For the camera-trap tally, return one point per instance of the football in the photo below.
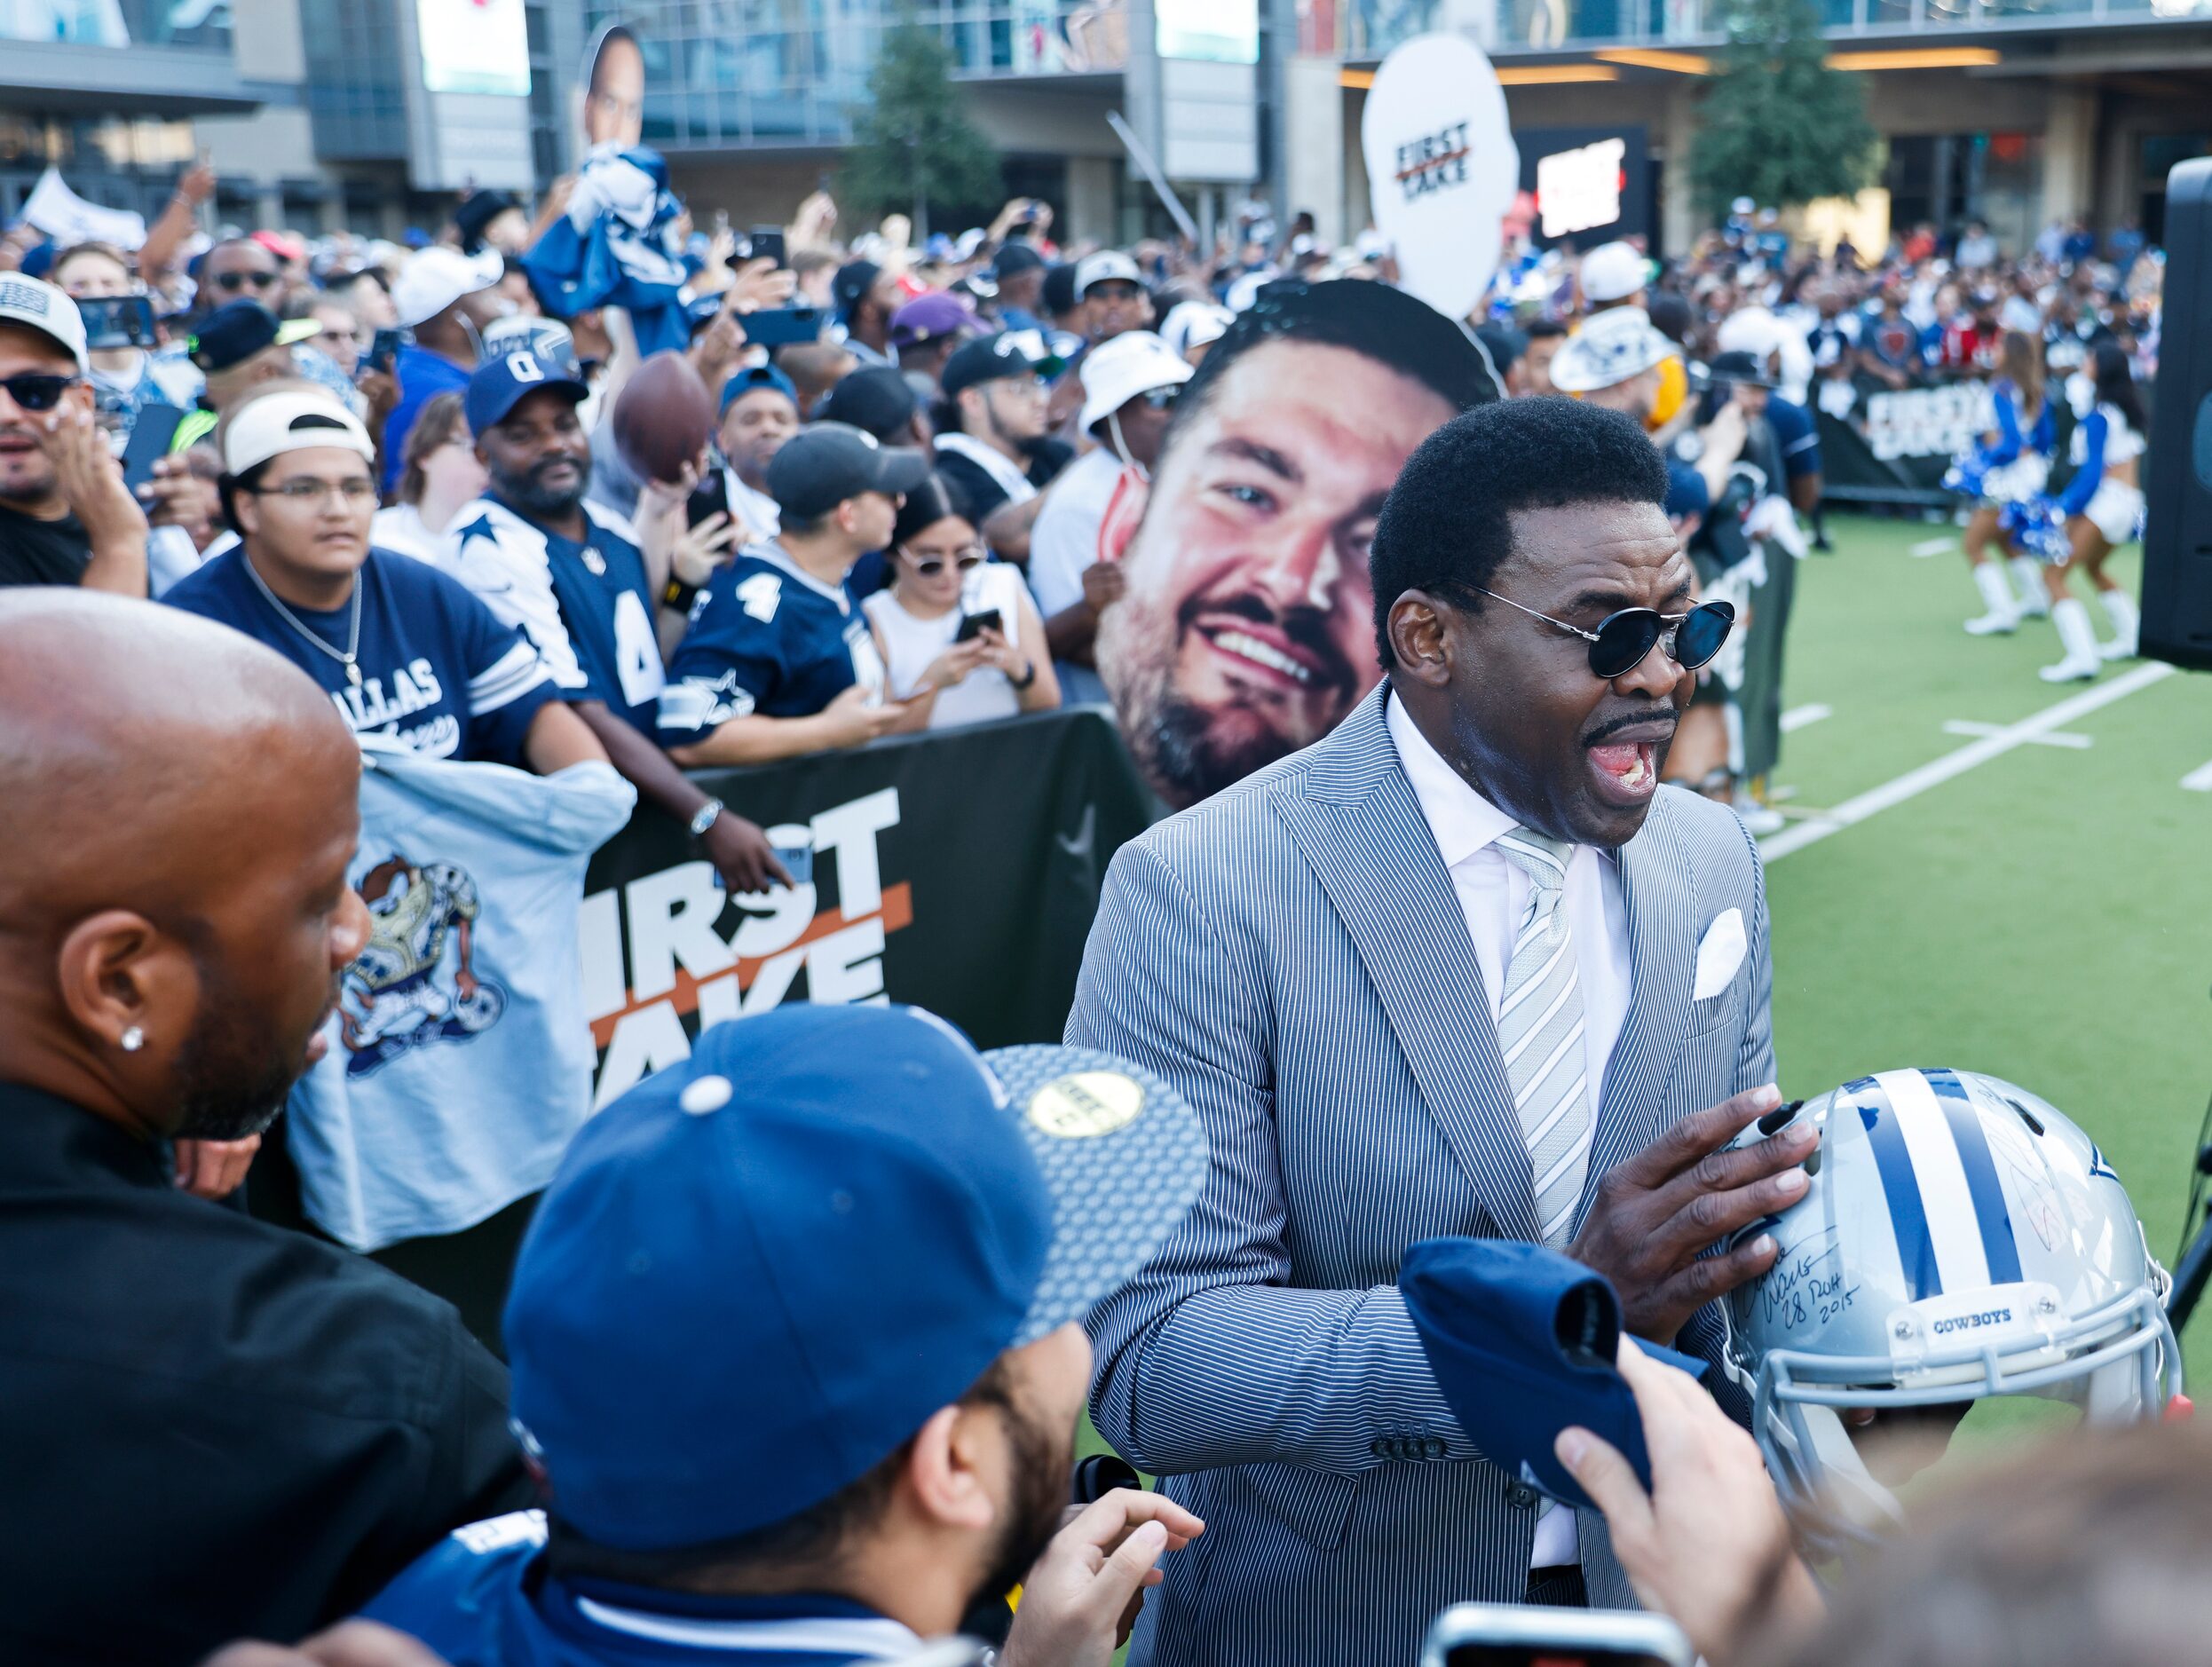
(663, 417)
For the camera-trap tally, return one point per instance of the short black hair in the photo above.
(1387, 324)
(1059, 291)
(929, 503)
(1446, 526)
(1544, 330)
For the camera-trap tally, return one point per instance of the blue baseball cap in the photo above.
(512, 373)
(757, 1274)
(755, 377)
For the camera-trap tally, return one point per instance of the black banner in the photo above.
(1895, 446)
(957, 870)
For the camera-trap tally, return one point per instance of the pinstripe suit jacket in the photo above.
(1291, 955)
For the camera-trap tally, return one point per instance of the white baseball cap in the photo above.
(279, 423)
(1190, 324)
(1133, 363)
(1103, 267)
(435, 278)
(35, 305)
(1613, 272)
(1608, 350)
(1752, 330)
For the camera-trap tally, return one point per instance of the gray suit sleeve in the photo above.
(1755, 1060)
(1207, 1357)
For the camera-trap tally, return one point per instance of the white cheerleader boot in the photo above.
(2078, 638)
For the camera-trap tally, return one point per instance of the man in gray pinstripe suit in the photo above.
(1461, 966)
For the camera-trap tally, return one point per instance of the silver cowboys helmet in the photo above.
(1959, 1239)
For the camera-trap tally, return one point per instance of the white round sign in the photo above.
(1441, 167)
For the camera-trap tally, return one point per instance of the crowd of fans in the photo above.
(393, 468)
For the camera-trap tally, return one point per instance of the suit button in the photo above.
(1433, 1448)
(1379, 1448)
(1520, 1497)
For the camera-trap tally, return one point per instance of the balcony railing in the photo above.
(123, 23)
(1549, 25)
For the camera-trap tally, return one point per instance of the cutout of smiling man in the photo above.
(1246, 630)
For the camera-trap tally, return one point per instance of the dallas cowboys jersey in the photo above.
(586, 607)
(766, 639)
(439, 673)
(482, 1598)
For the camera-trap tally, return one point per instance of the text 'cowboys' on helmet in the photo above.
(1959, 1239)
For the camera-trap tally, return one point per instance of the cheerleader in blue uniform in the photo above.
(2102, 509)
(2009, 468)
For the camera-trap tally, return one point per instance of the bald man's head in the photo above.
(179, 806)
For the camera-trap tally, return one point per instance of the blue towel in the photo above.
(616, 247)
(1522, 1341)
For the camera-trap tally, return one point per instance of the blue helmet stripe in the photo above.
(1900, 1185)
(1990, 1213)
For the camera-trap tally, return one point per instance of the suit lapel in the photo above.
(1659, 892)
(1361, 829)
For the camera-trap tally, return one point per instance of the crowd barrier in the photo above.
(1895, 446)
(958, 870)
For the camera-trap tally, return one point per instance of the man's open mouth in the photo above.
(1626, 761)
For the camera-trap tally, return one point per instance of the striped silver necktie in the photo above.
(1540, 1034)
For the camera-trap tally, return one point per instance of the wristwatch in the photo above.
(678, 595)
(704, 817)
(1027, 678)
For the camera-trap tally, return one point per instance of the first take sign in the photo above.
(1441, 167)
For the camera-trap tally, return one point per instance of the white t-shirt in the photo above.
(401, 528)
(1064, 541)
(910, 644)
(756, 509)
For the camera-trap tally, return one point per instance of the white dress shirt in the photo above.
(1493, 894)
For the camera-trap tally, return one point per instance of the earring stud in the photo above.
(133, 1040)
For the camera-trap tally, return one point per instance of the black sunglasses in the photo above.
(931, 567)
(36, 391)
(240, 280)
(1621, 640)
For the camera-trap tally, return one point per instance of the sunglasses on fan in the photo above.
(1621, 640)
(36, 391)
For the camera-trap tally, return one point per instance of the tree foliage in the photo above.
(1777, 124)
(912, 145)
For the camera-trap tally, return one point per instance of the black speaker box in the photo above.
(2177, 485)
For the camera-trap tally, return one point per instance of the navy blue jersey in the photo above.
(765, 639)
(588, 607)
(1798, 436)
(483, 1598)
(440, 674)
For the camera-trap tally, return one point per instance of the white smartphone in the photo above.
(1516, 1635)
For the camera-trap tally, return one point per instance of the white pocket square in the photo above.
(1719, 955)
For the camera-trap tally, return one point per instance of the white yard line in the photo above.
(1798, 717)
(2057, 738)
(2200, 780)
(1975, 753)
(1928, 547)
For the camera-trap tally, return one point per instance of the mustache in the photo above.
(1307, 628)
(1627, 721)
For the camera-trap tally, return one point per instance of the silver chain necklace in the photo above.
(353, 632)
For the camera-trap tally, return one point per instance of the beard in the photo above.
(231, 1082)
(541, 502)
(1185, 752)
(1042, 1466)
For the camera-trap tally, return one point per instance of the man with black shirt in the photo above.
(66, 516)
(992, 441)
(248, 1428)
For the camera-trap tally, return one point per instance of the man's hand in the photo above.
(1657, 1212)
(176, 497)
(1081, 1596)
(1103, 583)
(349, 1644)
(762, 283)
(214, 1169)
(86, 471)
(698, 551)
(811, 227)
(741, 854)
(849, 720)
(1709, 1545)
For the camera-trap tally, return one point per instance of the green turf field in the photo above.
(2045, 916)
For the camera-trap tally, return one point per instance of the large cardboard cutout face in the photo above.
(614, 87)
(1246, 627)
